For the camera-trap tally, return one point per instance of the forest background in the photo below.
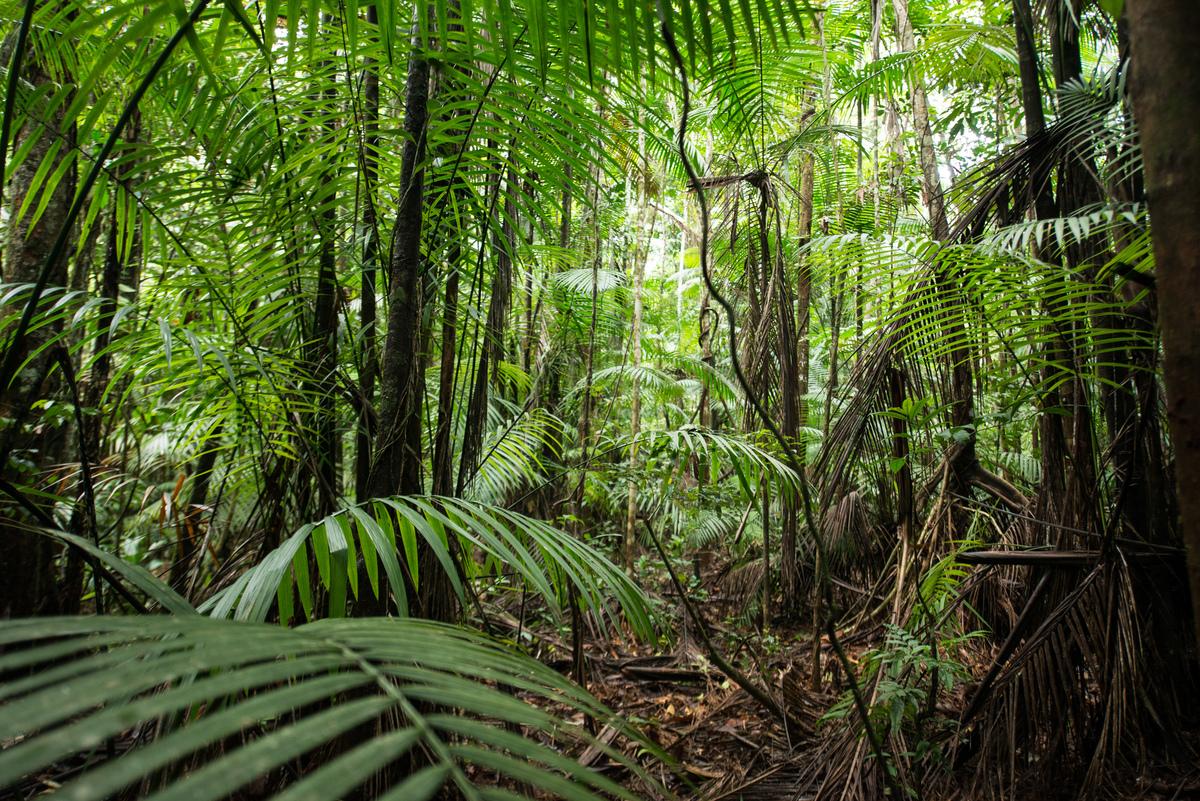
(394, 333)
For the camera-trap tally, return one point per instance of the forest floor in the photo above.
(716, 742)
(723, 745)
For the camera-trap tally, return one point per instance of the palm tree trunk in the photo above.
(324, 334)
(122, 256)
(789, 574)
(190, 537)
(396, 469)
(491, 349)
(804, 284)
(447, 84)
(551, 378)
(443, 448)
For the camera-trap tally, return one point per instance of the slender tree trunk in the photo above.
(1053, 452)
(804, 284)
(962, 392)
(191, 538)
(1165, 37)
(643, 237)
(836, 302)
(122, 255)
(370, 271)
(443, 448)
(932, 186)
(491, 349)
(448, 88)
(904, 487)
(765, 612)
(323, 355)
(550, 377)
(789, 574)
(707, 314)
(635, 361)
(585, 409)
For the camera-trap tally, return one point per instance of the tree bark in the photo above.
(1164, 39)
(398, 451)
(397, 464)
(191, 537)
(448, 86)
(635, 361)
(370, 273)
(322, 348)
(26, 558)
(789, 574)
(122, 260)
(491, 349)
(443, 446)
(932, 186)
(804, 283)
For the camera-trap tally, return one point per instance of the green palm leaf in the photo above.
(285, 693)
(547, 559)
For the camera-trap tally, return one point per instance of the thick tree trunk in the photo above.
(323, 348)
(26, 558)
(1165, 38)
(448, 87)
(397, 465)
(1027, 59)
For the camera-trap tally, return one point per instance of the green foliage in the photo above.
(429, 693)
(907, 672)
(547, 559)
(915, 664)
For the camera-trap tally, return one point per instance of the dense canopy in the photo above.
(384, 383)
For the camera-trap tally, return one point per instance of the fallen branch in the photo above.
(593, 751)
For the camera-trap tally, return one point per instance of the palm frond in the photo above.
(431, 692)
(546, 558)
